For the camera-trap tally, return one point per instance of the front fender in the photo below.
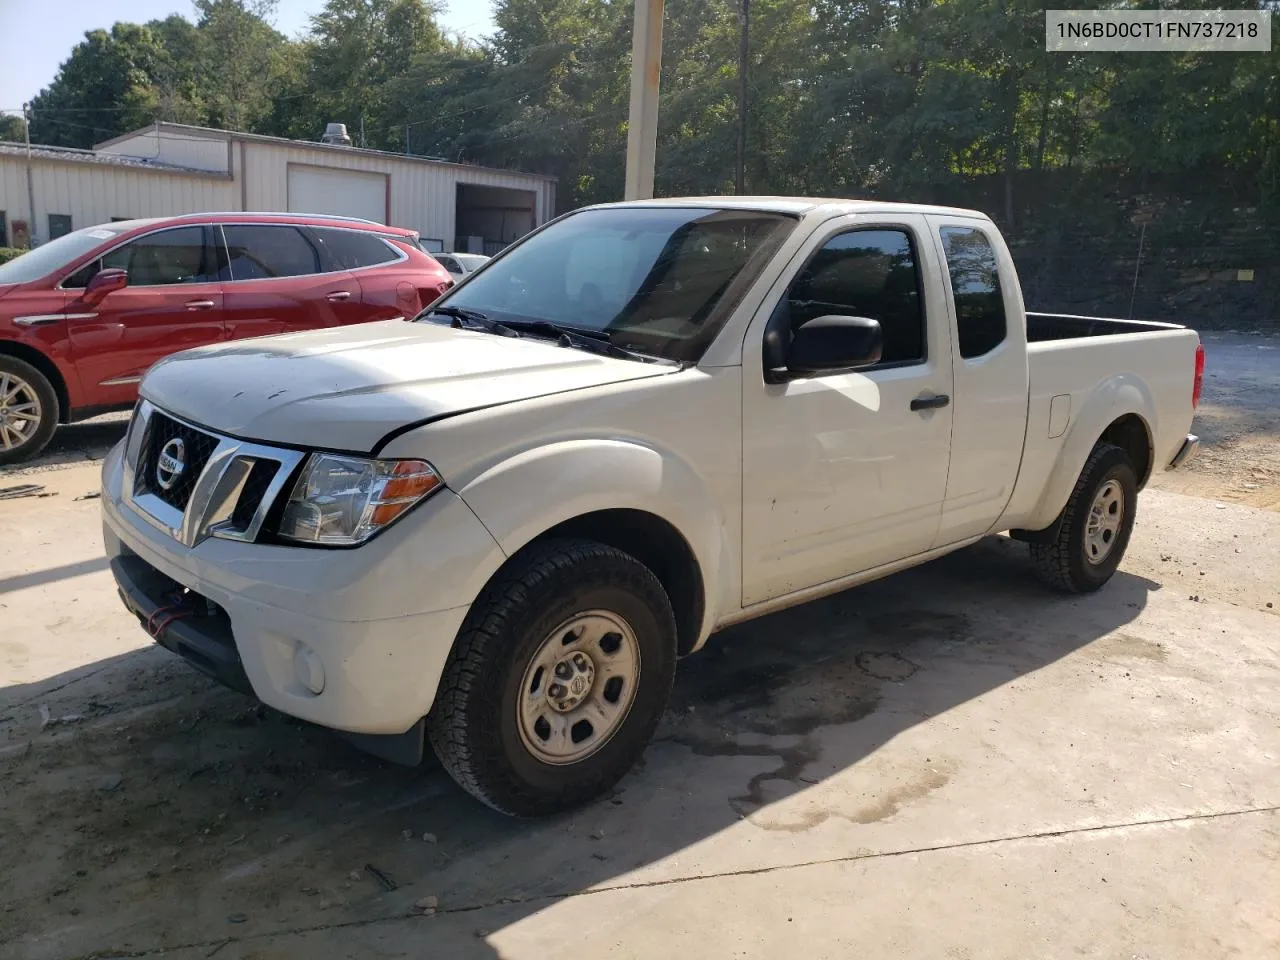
(533, 491)
(1116, 397)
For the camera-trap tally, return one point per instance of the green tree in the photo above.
(11, 128)
(103, 88)
(239, 57)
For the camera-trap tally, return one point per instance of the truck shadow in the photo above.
(172, 814)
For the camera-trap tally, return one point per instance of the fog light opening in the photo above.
(308, 669)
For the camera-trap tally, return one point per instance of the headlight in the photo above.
(343, 501)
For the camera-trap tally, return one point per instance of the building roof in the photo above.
(72, 155)
(212, 133)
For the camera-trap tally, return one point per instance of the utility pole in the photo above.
(646, 74)
(406, 138)
(31, 187)
(362, 131)
(740, 174)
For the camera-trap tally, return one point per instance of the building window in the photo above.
(59, 225)
(4, 230)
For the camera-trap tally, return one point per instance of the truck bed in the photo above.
(1067, 326)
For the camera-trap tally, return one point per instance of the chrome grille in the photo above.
(225, 486)
(198, 447)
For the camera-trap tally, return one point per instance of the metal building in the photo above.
(172, 168)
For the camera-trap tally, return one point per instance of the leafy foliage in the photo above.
(846, 97)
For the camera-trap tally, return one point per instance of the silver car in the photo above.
(460, 265)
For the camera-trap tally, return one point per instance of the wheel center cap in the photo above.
(571, 682)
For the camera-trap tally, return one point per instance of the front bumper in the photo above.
(1186, 453)
(355, 640)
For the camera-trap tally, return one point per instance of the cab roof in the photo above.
(800, 206)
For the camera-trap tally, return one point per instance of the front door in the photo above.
(840, 473)
(172, 302)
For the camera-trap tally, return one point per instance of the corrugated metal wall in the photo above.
(423, 196)
(172, 147)
(93, 193)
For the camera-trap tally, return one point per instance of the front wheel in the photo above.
(1093, 531)
(557, 680)
(28, 410)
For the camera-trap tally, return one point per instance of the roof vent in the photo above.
(336, 133)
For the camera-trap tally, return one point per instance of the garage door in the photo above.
(345, 193)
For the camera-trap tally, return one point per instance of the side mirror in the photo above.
(104, 282)
(831, 344)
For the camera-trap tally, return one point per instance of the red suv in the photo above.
(83, 317)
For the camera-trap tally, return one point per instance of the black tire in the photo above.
(473, 724)
(36, 439)
(1063, 562)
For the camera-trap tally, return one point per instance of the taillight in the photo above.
(1198, 385)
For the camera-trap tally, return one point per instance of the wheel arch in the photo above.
(1121, 411)
(42, 362)
(632, 497)
(653, 541)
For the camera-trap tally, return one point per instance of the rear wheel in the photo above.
(557, 680)
(1093, 531)
(28, 410)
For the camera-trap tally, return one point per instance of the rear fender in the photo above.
(528, 494)
(1112, 399)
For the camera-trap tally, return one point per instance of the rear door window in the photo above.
(353, 249)
(257, 252)
(975, 288)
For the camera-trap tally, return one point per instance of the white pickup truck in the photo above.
(496, 527)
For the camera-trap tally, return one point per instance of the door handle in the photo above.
(935, 402)
(340, 295)
(199, 304)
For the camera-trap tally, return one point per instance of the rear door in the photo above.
(989, 418)
(171, 303)
(276, 279)
(375, 265)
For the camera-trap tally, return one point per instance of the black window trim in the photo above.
(80, 265)
(321, 257)
(913, 236)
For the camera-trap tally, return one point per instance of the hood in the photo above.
(348, 387)
(8, 288)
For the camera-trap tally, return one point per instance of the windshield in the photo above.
(55, 254)
(659, 280)
(472, 261)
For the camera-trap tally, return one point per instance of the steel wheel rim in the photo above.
(20, 411)
(578, 688)
(1106, 514)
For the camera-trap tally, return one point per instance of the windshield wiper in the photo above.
(594, 341)
(462, 318)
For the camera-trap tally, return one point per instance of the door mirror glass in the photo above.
(832, 344)
(104, 282)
